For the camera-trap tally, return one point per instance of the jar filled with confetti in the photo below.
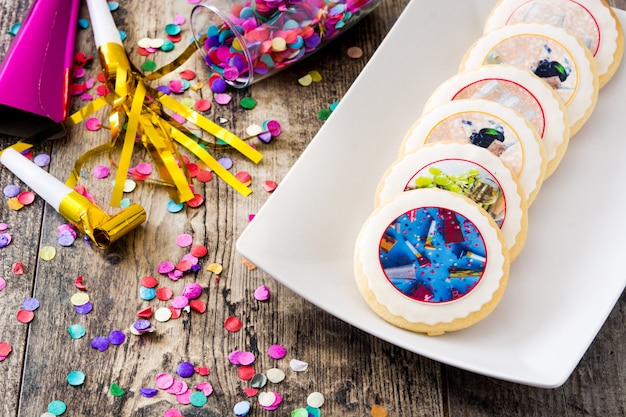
(244, 41)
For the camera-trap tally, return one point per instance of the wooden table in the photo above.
(351, 368)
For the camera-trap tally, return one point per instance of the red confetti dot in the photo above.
(198, 306)
(17, 268)
(269, 186)
(193, 169)
(101, 77)
(149, 281)
(79, 283)
(199, 251)
(187, 75)
(25, 316)
(232, 324)
(26, 197)
(202, 105)
(183, 266)
(196, 201)
(250, 392)
(145, 313)
(246, 372)
(244, 177)
(200, 370)
(175, 38)
(5, 349)
(175, 312)
(164, 293)
(143, 51)
(204, 176)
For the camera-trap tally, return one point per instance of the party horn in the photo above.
(36, 71)
(90, 219)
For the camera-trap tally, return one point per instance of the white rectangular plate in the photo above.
(563, 285)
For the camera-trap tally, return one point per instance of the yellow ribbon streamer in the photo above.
(140, 106)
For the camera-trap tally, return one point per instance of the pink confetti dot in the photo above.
(3, 284)
(180, 301)
(179, 19)
(100, 171)
(262, 293)
(178, 387)
(222, 98)
(185, 397)
(165, 267)
(277, 351)
(205, 387)
(172, 412)
(184, 240)
(144, 168)
(93, 124)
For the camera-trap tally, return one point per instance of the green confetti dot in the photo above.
(149, 65)
(198, 399)
(248, 103)
(75, 378)
(323, 114)
(116, 390)
(76, 331)
(300, 412)
(57, 407)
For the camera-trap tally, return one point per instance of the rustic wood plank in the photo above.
(351, 368)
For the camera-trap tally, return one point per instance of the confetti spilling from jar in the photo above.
(267, 36)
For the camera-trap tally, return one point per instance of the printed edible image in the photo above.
(433, 255)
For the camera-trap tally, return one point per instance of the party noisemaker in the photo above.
(35, 72)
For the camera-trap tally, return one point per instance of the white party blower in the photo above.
(90, 219)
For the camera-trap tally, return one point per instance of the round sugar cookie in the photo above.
(549, 52)
(490, 125)
(468, 170)
(520, 90)
(593, 22)
(431, 261)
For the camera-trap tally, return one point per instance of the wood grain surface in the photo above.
(353, 369)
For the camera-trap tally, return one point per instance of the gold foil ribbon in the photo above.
(141, 108)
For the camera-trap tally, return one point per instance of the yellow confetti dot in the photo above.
(79, 299)
(47, 253)
(215, 268)
(279, 44)
(187, 101)
(14, 204)
(197, 86)
(236, 45)
(305, 81)
(316, 77)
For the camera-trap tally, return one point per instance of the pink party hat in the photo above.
(36, 71)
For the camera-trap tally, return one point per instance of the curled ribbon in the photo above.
(141, 108)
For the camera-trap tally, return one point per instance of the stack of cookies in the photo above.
(451, 213)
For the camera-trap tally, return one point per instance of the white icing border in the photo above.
(608, 25)
(533, 167)
(556, 132)
(367, 248)
(583, 101)
(516, 217)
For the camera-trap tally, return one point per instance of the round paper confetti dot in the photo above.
(100, 343)
(47, 253)
(198, 399)
(76, 378)
(196, 201)
(172, 412)
(164, 293)
(242, 408)
(259, 380)
(5, 349)
(305, 81)
(100, 171)
(79, 298)
(116, 390)
(30, 304)
(163, 314)
(315, 399)
(25, 316)
(246, 372)
(222, 98)
(42, 160)
(378, 411)
(262, 293)
(26, 198)
(184, 240)
(93, 124)
(185, 369)
(298, 365)
(149, 65)
(129, 186)
(276, 351)
(76, 331)
(174, 207)
(164, 381)
(275, 375)
(148, 392)
(300, 412)
(202, 105)
(232, 324)
(313, 412)
(266, 399)
(57, 407)
(84, 309)
(355, 52)
(117, 337)
(149, 281)
(11, 191)
(269, 186)
(215, 268)
(248, 103)
(180, 302)
(3, 283)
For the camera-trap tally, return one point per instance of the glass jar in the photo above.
(244, 41)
